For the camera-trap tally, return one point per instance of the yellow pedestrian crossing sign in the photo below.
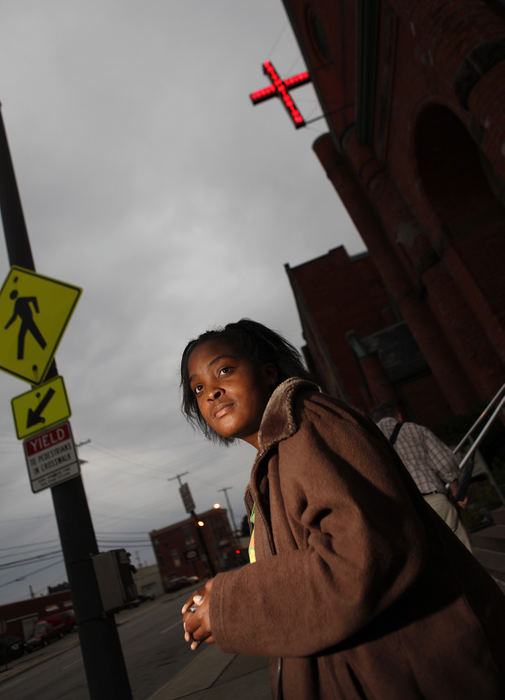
(40, 408)
(34, 312)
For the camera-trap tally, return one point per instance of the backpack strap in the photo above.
(394, 434)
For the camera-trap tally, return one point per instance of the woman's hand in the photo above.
(196, 617)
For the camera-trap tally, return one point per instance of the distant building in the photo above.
(20, 617)
(148, 581)
(358, 346)
(64, 586)
(413, 94)
(179, 551)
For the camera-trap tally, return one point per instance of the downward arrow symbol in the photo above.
(35, 417)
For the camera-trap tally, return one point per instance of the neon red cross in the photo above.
(280, 89)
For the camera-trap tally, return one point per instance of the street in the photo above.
(152, 643)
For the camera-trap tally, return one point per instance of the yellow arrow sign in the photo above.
(40, 408)
(34, 312)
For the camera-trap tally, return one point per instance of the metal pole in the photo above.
(100, 647)
(178, 477)
(226, 489)
(474, 447)
(495, 398)
(203, 543)
(194, 516)
(16, 234)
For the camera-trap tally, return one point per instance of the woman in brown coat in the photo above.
(358, 589)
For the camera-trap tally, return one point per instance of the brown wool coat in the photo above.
(359, 586)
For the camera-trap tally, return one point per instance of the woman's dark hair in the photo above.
(256, 342)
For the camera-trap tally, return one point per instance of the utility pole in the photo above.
(100, 646)
(178, 477)
(225, 490)
(189, 505)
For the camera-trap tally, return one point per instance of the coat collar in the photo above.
(279, 420)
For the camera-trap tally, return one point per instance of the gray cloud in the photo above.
(148, 178)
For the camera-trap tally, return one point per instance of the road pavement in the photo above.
(159, 662)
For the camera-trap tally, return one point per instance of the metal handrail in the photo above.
(484, 430)
(469, 455)
(480, 418)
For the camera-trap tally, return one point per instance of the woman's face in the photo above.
(230, 390)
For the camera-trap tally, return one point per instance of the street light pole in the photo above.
(178, 477)
(194, 516)
(226, 489)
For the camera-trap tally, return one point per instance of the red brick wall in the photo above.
(14, 613)
(218, 539)
(336, 294)
(339, 295)
(427, 192)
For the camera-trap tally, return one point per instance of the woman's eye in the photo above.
(225, 370)
(197, 389)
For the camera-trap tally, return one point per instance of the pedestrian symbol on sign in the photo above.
(22, 309)
(34, 312)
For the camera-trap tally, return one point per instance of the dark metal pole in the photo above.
(16, 235)
(226, 489)
(203, 544)
(100, 646)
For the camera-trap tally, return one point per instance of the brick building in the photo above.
(147, 579)
(179, 550)
(414, 98)
(358, 346)
(20, 617)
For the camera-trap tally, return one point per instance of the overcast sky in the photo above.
(148, 179)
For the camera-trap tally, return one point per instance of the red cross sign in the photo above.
(280, 88)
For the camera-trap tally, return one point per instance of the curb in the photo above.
(200, 674)
(32, 663)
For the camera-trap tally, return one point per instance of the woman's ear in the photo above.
(270, 374)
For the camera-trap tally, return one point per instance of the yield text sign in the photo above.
(51, 457)
(40, 408)
(34, 312)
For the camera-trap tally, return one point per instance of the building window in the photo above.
(318, 36)
(189, 537)
(175, 557)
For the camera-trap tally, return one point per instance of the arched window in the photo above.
(467, 198)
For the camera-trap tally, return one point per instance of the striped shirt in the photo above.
(429, 461)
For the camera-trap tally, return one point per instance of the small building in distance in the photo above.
(148, 581)
(179, 551)
(20, 617)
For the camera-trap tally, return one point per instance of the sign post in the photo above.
(104, 664)
(187, 498)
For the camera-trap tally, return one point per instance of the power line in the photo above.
(124, 543)
(29, 517)
(23, 562)
(156, 469)
(120, 533)
(123, 546)
(36, 571)
(107, 540)
(32, 544)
